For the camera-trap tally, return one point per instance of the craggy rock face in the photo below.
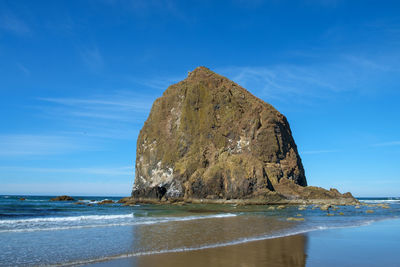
(209, 138)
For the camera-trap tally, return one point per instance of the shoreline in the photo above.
(148, 233)
(339, 201)
(176, 256)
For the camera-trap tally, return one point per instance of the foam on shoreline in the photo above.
(34, 224)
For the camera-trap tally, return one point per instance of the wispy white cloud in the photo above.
(118, 101)
(146, 8)
(312, 152)
(24, 69)
(343, 73)
(280, 81)
(115, 115)
(110, 188)
(366, 146)
(367, 63)
(324, 3)
(11, 23)
(159, 83)
(393, 143)
(31, 145)
(92, 58)
(117, 106)
(103, 171)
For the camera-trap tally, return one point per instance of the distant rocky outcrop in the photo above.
(209, 139)
(106, 201)
(63, 198)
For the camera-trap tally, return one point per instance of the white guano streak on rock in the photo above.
(174, 190)
(241, 144)
(160, 176)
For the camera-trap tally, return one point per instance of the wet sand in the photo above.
(373, 245)
(286, 251)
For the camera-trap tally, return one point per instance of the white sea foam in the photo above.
(68, 219)
(372, 201)
(91, 221)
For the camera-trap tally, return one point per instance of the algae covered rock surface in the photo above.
(208, 138)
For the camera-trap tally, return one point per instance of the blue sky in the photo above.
(77, 80)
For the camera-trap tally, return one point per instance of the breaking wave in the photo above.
(89, 221)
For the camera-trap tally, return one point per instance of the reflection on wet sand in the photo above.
(195, 234)
(286, 251)
(204, 232)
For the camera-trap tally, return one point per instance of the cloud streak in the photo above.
(112, 171)
(31, 145)
(387, 144)
(159, 83)
(115, 115)
(24, 69)
(117, 106)
(11, 23)
(318, 80)
(92, 58)
(313, 152)
(147, 8)
(110, 188)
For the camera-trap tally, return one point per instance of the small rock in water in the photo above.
(384, 206)
(299, 215)
(124, 200)
(357, 207)
(22, 199)
(295, 219)
(369, 211)
(325, 207)
(271, 208)
(280, 207)
(105, 201)
(341, 213)
(302, 208)
(62, 198)
(330, 214)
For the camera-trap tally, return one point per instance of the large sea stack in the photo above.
(207, 139)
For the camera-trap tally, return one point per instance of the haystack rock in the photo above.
(208, 139)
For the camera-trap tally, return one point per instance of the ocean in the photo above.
(36, 231)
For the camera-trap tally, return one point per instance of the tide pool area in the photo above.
(36, 231)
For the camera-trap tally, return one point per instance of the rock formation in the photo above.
(209, 139)
(106, 201)
(62, 198)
